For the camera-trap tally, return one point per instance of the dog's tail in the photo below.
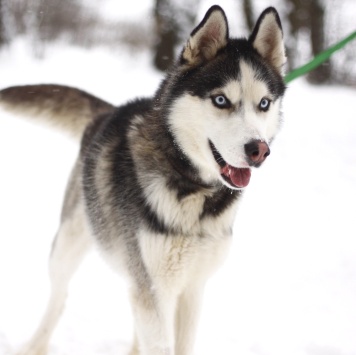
(68, 108)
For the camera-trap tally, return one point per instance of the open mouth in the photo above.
(235, 177)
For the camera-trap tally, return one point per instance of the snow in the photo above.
(289, 284)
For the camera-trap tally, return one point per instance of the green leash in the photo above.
(319, 59)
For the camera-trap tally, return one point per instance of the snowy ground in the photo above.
(289, 285)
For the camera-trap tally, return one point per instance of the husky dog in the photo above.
(158, 180)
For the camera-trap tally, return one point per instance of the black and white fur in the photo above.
(157, 181)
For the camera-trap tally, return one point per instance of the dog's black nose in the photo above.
(256, 151)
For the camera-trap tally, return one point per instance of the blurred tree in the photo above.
(53, 19)
(308, 16)
(167, 34)
(249, 14)
(174, 19)
(2, 28)
(43, 21)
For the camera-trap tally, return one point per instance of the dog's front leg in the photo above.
(187, 317)
(154, 312)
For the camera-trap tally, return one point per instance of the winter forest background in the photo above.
(309, 25)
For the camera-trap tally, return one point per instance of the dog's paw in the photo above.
(33, 349)
(134, 351)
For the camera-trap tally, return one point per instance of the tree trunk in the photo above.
(322, 73)
(309, 14)
(167, 37)
(249, 14)
(2, 28)
(174, 21)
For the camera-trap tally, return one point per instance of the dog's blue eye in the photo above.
(221, 101)
(264, 104)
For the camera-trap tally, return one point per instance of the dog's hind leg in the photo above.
(69, 247)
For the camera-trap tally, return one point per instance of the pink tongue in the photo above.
(240, 177)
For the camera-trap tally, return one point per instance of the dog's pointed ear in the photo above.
(210, 36)
(267, 38)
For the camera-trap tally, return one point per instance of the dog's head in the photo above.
(225, 95)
